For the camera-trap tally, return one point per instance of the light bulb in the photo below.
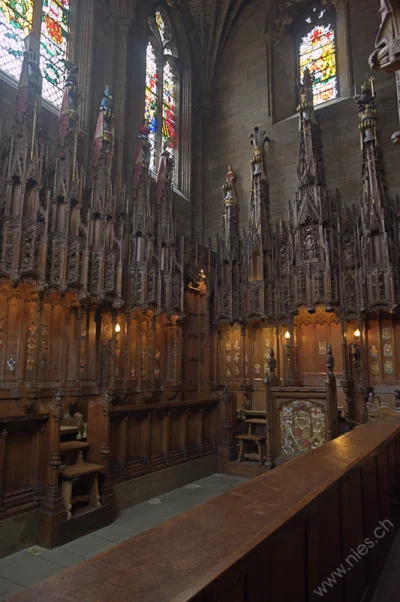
(287, 335)
(357, 333)
(117, 328)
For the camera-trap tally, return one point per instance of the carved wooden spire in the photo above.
(67, 230)
(25, 218)
(231, 218)
(312, 235)
(379, 243)
(228, 286)
(142, 218)
(165, 231)
(104, 255)
(259, 205)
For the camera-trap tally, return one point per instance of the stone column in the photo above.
(123, 23)
(83, 54)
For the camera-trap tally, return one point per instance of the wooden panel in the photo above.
(155, 437)
(134, 437)
(288, 578)
(370, 511)
(192, 432)
(353, 536)
(19, 443)
(330, 530)
(175, 430)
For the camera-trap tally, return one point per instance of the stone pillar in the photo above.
(123, 23)
(84, 56)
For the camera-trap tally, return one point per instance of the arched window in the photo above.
(161, 88)
(16, 22)
(317, 50)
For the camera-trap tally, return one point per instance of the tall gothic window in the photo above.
(317, 51)
(16, 22)
(161, 88)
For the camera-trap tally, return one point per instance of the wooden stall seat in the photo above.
(79, 479)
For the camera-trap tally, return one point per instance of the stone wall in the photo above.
(241, 102)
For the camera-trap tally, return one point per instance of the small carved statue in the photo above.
(106, 101)
(229, 186)
(367, 110)
(306, 106)
(71, 84)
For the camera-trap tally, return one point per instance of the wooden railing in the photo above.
(130, 440)
(277, 538)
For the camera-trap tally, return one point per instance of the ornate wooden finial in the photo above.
(271, 362)
(367, 111)
(330, 360)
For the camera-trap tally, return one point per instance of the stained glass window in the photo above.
(151, 104)
(317, 51)
(169, 89)
(16, 19)
(161, 89)
(54, 44)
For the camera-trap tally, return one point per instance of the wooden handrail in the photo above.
(275, 538)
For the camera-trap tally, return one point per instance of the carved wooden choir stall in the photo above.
(100, 294)
(126, 348)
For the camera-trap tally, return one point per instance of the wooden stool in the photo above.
(244, 453)
(76, 471)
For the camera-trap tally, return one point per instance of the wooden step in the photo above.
(251, 437)
(256, 421)
(77, 470)
(73, 445)
(255, 413)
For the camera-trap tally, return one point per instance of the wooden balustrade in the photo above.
(277, 538)
(131, 440)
